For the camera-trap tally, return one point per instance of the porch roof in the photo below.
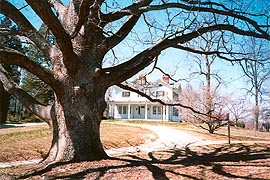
(134, 102)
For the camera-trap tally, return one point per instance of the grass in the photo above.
(237, 133)
(33, 142)
(24, 135)
(23, 143)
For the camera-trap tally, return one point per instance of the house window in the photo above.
(154, 109)
(157, 110)
(125, 94)
(146, 91)
(160, 93)
(175, 111)
(140, 109)
(122, 109)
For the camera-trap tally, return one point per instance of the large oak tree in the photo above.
(86, 31)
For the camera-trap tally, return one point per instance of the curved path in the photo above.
(168, 138)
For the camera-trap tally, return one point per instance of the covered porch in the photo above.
(140, 111)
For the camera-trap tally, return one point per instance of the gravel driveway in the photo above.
(168, 138)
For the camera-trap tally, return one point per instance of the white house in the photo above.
(123, 104)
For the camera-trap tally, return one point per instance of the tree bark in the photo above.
(4, 104)
(76, 128)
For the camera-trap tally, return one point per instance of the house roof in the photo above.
(157, 83)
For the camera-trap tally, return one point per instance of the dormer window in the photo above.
(125, 94)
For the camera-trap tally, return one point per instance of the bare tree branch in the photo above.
(193, 50)
(28, 101)
(13, 57)
(25, 27)
(11, 32)
(44, 11)
(83, 13)
(134, 9)
(58, 7)
(130, 10)
(122, 32)
(122, 71)
(214, 4)
(205, 9)
(126, 27)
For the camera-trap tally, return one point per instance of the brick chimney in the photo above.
(141, 80)
(166, 78)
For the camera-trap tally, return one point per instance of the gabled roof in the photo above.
(148, 85)
(160, 82)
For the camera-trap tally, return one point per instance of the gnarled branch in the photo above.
(25, 27)
(130, 10)
(83, 13)
(58, 7)
(122, 32)
(44, 11)
(13, 57)
(123, 71)
(28, 101)
(126, 27)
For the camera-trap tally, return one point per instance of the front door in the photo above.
(140, 112)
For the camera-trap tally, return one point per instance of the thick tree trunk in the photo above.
(76, 129)
(4, 104)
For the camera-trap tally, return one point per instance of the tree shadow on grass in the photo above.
(189, 162)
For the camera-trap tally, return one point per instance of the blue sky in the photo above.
(28, 12)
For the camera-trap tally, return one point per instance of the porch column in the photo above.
(145, 112)
(115, 114)
(167, 112)
(128, 111)
(163, 113)
(110, 110)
